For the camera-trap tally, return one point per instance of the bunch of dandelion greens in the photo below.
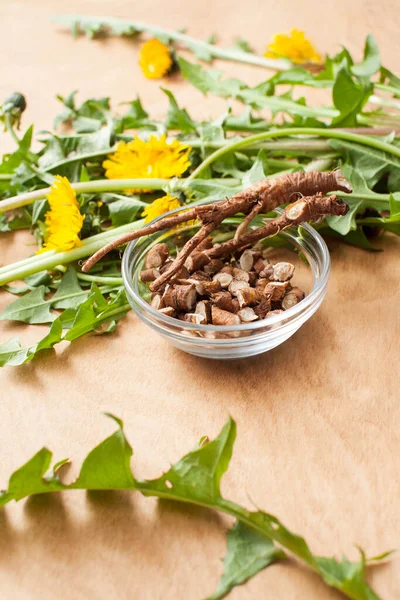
(257, 539)
(113, 172)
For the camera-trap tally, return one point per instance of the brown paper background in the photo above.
(318, 440)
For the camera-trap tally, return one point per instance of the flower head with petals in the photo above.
(64, 220)
(155, 59)
(154, 158)
(160, 207)
(294, 46)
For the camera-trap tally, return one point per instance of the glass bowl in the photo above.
(307, 250)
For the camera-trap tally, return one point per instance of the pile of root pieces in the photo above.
(240, 290)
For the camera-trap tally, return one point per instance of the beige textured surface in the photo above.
(318, 440)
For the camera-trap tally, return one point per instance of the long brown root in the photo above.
(266, 194)
(306, 209)
(178, 263)
(166, 223)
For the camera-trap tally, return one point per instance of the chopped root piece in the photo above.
(157, 256)
(196, 261)
(168, 311)
(282, 271)
(195, 318)
(213, 266)
(203, 308)
(180, 297)
(182, 274)
(263, 307)
(223, 317)
(224, 279)
(248, 297)
(157, 302)
(261, 283)
(211, 287)
(277, 289)
(199, 285)
(246, 261)
(240, 275)
(235, 286)
(227, 269)
(224, 301)
(267, 272)
(253, 278)
(272, 313)
(200, 276)
(260, 265)
(247, 315)
(292, 298)
(149, 275)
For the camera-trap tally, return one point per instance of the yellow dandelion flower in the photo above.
(155, 59)
(63, 220)
(152, 158)
(160, 207)
(294, 46)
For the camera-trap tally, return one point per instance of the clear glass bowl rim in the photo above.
(282, 318)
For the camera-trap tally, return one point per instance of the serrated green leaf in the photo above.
(178, 118)
(196, 479)
(212, 190)
(52, 153)
(390, 78)
(29, 479)
(31, 308)
(346, 576)
(256, 173)
(348, 222)
(245, 121)
(95, 312)
(248, 552)
(107, 467)
(348, 97)
(15, 220)
(93, 142)
(197, 475)
(69, 293)
(209, 80)
(11, 353)
(355, 238)
(243, 46)
(123, 210)
(202, 52)
(369, 162)
(371, 62)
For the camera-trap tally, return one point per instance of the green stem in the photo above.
(5, 177)
(99, 186)
(194, 143)
(169, 34)
(50, 260)
(10, 128)
(113, 312)
(100, 279)
(86, 187)
(319, 164)
(105, 235)
(387, 88)
(325, 133)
